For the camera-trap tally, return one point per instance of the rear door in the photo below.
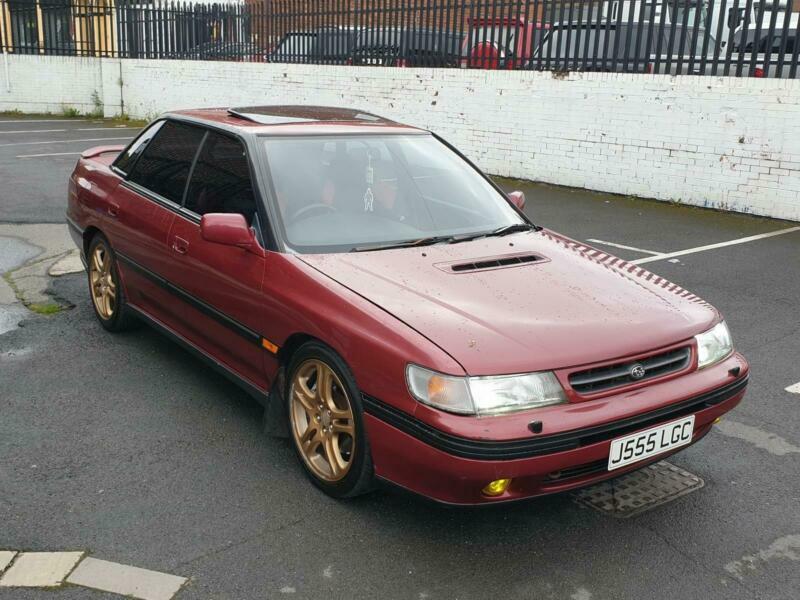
(220, 284)
(148, 200)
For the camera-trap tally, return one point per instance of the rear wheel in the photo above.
(326, 422)
(108, 298)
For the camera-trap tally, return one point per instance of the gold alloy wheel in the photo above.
(101, 278)
(322, 420)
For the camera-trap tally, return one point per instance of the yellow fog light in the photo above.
(717, 420)
(496, 487)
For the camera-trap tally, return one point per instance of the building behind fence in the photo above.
(758, 38)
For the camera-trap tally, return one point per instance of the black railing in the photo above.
(759, 38)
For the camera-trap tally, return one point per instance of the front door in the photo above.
(221, 284)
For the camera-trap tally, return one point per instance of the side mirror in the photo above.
(518, 199)
(227, 229)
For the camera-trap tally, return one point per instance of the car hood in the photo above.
(570, 305)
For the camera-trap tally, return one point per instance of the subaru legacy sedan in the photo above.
(398, 315)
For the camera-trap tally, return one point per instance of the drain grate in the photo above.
(637, 492)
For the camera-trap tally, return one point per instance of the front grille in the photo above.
(579, 471)
(600, 379)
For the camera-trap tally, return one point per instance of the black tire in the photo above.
(360, 475)
(121, 318)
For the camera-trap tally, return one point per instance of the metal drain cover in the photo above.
(637, 492)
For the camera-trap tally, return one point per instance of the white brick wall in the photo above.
(48, 84)
(719, 142)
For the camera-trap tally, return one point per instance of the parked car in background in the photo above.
(399, 315)
(637, 48)
(773, 49)
(407, 47)
(223, 50)
(500, 43)
(328, 45)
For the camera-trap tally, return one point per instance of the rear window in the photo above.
(164, 165)
(126, 160)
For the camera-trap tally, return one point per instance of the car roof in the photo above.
(293, 120)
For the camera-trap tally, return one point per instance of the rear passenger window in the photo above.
(164, 165)
(221, 179)
(126, 160)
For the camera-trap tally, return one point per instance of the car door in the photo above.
(221, 284)
(147, 201)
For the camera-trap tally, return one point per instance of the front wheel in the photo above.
(326, 422)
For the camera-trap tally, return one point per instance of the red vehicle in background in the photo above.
(500, 43)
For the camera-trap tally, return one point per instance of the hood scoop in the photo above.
(487, 263)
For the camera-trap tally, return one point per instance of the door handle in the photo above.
(180, 245)
(113, 210)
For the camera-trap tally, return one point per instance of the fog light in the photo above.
(717, 420)
(496, 487)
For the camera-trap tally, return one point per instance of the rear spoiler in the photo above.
(98, 150)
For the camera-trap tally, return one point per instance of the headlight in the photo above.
(442, 391)
(484, 395)
(713, 345)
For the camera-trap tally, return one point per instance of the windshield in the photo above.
(336, 194)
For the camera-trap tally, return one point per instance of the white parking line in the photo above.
(34, 131)
(771, 442)
(45, 121)
(624, 247)
(744, 240)
(65, 141)
(794, 389)
(114, 128)
(50, 154)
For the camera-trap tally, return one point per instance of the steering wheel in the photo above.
(303, 213)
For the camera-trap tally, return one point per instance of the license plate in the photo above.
(638, 446)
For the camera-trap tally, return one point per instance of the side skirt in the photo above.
(253, 390)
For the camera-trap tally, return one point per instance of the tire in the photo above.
(337, 462)
(103, 278)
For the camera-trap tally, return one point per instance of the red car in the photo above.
(501, 42)
(394, 310)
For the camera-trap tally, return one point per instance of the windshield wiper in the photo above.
(505, 230)
(515, 228)
(426, 241)
(450, 239)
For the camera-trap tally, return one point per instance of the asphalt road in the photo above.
(36, 157)
(126, 446)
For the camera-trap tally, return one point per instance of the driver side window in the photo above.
(221, 180)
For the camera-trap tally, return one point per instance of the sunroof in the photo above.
(278, 115)
(266, 119)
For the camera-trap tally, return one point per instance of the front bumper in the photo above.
(454, 469)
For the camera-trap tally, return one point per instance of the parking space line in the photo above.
(49, 154)
(772, 443)
(65, 141)
(114, 128)
(794, 389)
(34, 131)
(45, 121)
(744, 240)
(624, 247)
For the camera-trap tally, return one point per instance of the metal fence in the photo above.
(759, 38)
